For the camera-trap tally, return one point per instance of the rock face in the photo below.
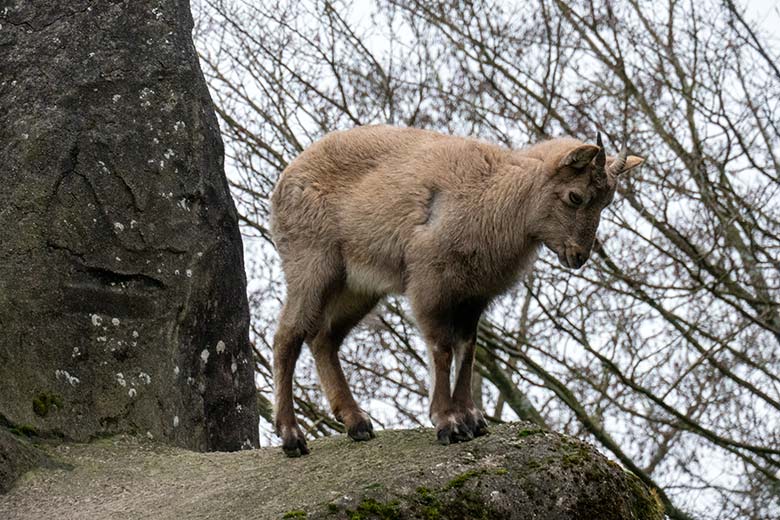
(122, 289)
(517, 472)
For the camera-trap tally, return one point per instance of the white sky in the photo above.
(767, 14)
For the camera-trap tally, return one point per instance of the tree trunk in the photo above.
(122, 288)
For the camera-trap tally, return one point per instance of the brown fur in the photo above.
(451, 222)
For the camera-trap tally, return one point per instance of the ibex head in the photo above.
(580, 183)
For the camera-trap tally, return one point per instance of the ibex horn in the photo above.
(601, 158)
(619, 163)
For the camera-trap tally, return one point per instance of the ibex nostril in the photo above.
(580, 257)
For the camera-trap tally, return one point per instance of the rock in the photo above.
(122, 289)
(517, 472)
(17, 456)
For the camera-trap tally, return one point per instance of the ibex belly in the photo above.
(372, 279)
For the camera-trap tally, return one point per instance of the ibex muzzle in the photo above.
(450, 222)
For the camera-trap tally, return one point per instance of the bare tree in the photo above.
(664, 350)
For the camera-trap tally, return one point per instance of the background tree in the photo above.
(664, 349)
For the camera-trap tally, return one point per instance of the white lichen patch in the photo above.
(135, 333)
(145, 93)
(145, 378)
(133, 224)
(233, 367)
(120, 378)
(178, 125)
(149, 435)
(205, 355)
(76, 352)
(132, 392)
(175, 421)
(101, 339)
(168, 153)
(116, 97)
(96, 320)
(183, 204)
(176, 370)
(115, 322)
(188, 272)
(119, 226)
(239, 408)
(64, 375)
(220, 347)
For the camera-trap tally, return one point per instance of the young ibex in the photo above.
(451, 222)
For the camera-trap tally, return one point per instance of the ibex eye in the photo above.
(575, 199)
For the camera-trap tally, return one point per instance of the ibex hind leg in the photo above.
(309, 281)
(343, 311)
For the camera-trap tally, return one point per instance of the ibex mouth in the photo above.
(571, 259)
(568, 257)
(562, 259)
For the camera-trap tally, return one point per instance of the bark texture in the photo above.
(517, 472)
(122, 289)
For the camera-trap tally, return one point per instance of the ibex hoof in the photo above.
(361, 429)
(293, 441)
(476, 422)
(452, 427)
(460, 426)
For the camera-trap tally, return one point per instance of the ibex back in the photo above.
(450, 222)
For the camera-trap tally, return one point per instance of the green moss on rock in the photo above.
(647, 503)
(461, 479)
(373, 509)
(45, 402)
(24, 430)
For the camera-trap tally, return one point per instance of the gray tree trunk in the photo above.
(122, 288)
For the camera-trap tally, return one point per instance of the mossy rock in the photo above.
(401, 474)
(17, 455)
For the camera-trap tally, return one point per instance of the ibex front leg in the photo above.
(449, 333)
(462, 396)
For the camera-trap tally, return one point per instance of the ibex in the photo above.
(450, 222)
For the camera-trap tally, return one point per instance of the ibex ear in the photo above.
(632, 161)
(579, 157)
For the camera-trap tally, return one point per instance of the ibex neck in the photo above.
(511, 203)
